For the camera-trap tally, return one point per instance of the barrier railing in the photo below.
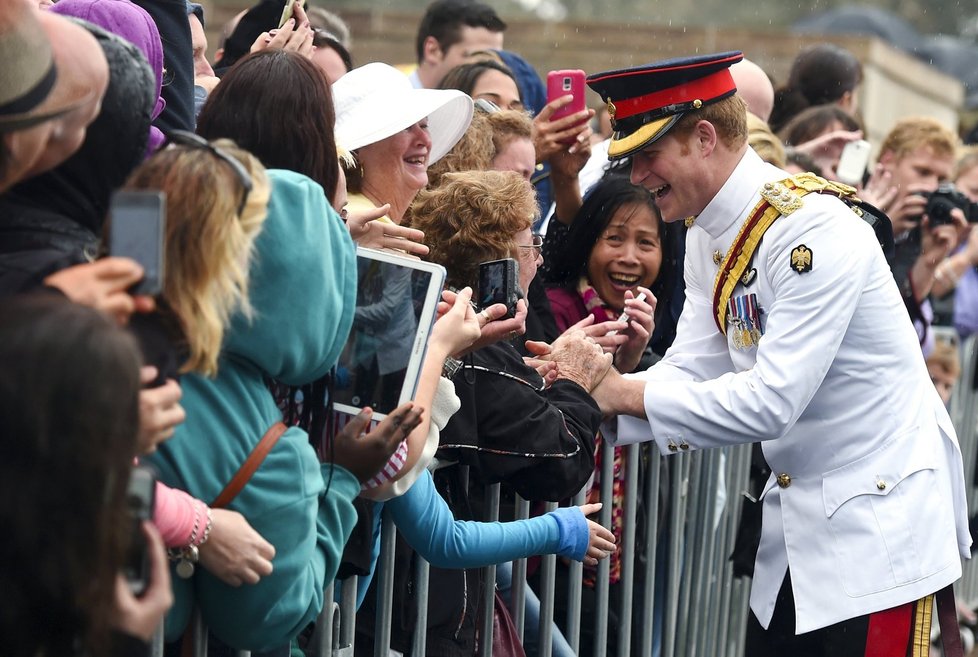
(702, 607)
(964, 414)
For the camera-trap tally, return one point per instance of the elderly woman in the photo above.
(395, 132)
(510, 426)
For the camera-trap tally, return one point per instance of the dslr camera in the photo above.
(945, 198)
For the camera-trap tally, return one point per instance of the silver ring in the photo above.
(485, 315)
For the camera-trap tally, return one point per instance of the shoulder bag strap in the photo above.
(250, 465)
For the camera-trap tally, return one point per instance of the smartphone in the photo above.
(288, 10)
(140, 505)
(562, 83)
(853, 162)
(499, 282)
(137, 221)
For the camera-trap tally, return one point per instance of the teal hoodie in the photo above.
(303, 290)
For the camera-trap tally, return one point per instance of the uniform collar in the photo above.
(730, 203)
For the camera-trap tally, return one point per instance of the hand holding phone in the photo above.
(137, 223)
(288, 10)
(853, 162)
(563, 83)
(141, 504)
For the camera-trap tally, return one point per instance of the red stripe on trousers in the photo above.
(889, 632)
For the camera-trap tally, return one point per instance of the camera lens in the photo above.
(939, 211)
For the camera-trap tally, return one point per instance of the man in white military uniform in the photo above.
(793, 333)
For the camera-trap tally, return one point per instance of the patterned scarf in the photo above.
(594, 304)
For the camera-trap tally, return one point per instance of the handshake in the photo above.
(573, 356)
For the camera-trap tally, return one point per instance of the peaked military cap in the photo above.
(646, 101)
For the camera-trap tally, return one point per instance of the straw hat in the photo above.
(376, 101)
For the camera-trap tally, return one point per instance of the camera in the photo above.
(945, 198)
(499, 283)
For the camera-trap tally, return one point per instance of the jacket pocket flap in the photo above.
(877, 473)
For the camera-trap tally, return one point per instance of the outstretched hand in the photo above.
(601, 542)
(367, 231)
(364, 454)
(457, 327)
(495, 326)
(551, 137)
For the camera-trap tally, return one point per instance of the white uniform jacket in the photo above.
(866, 502)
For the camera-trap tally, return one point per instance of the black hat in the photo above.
(645, 101)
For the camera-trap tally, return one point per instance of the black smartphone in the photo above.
(137, 221)
(140, 505)
(499, 282)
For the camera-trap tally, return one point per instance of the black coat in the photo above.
(539, 442)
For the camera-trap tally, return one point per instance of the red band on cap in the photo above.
(705, 89)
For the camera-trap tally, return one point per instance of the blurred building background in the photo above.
(919, 56)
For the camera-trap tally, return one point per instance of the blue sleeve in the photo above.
(574, 532)
(424, 520)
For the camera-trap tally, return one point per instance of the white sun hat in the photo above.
(376, 101)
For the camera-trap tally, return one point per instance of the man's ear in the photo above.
(432, 50)
(888, 159)
(705, 136)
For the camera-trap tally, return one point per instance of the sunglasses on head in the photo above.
(190, 140)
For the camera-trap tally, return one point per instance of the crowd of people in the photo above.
(649, 310)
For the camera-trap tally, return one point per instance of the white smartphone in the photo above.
(853, 162)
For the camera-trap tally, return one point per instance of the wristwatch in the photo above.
(451, 368)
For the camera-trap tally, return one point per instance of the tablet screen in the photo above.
(376, 367)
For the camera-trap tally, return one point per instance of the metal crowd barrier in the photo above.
(964, 415)
(704, 608)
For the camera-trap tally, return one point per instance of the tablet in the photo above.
(397, 300)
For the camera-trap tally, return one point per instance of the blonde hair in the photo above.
(911, 133)
(473, 152)
(508, 125)
(945, 355)
(967, 160)
(473, 217)
(728, 116)
(208, 246)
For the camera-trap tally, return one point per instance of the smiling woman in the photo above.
(395, 131)
(614, 246)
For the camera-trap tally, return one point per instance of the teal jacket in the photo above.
(303, 291)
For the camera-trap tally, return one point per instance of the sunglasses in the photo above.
(190, 140)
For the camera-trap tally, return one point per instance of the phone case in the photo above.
(561, 83)
(853, 162)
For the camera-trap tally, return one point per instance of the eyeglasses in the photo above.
(485, 106)
(190, 140)
(536, 245)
